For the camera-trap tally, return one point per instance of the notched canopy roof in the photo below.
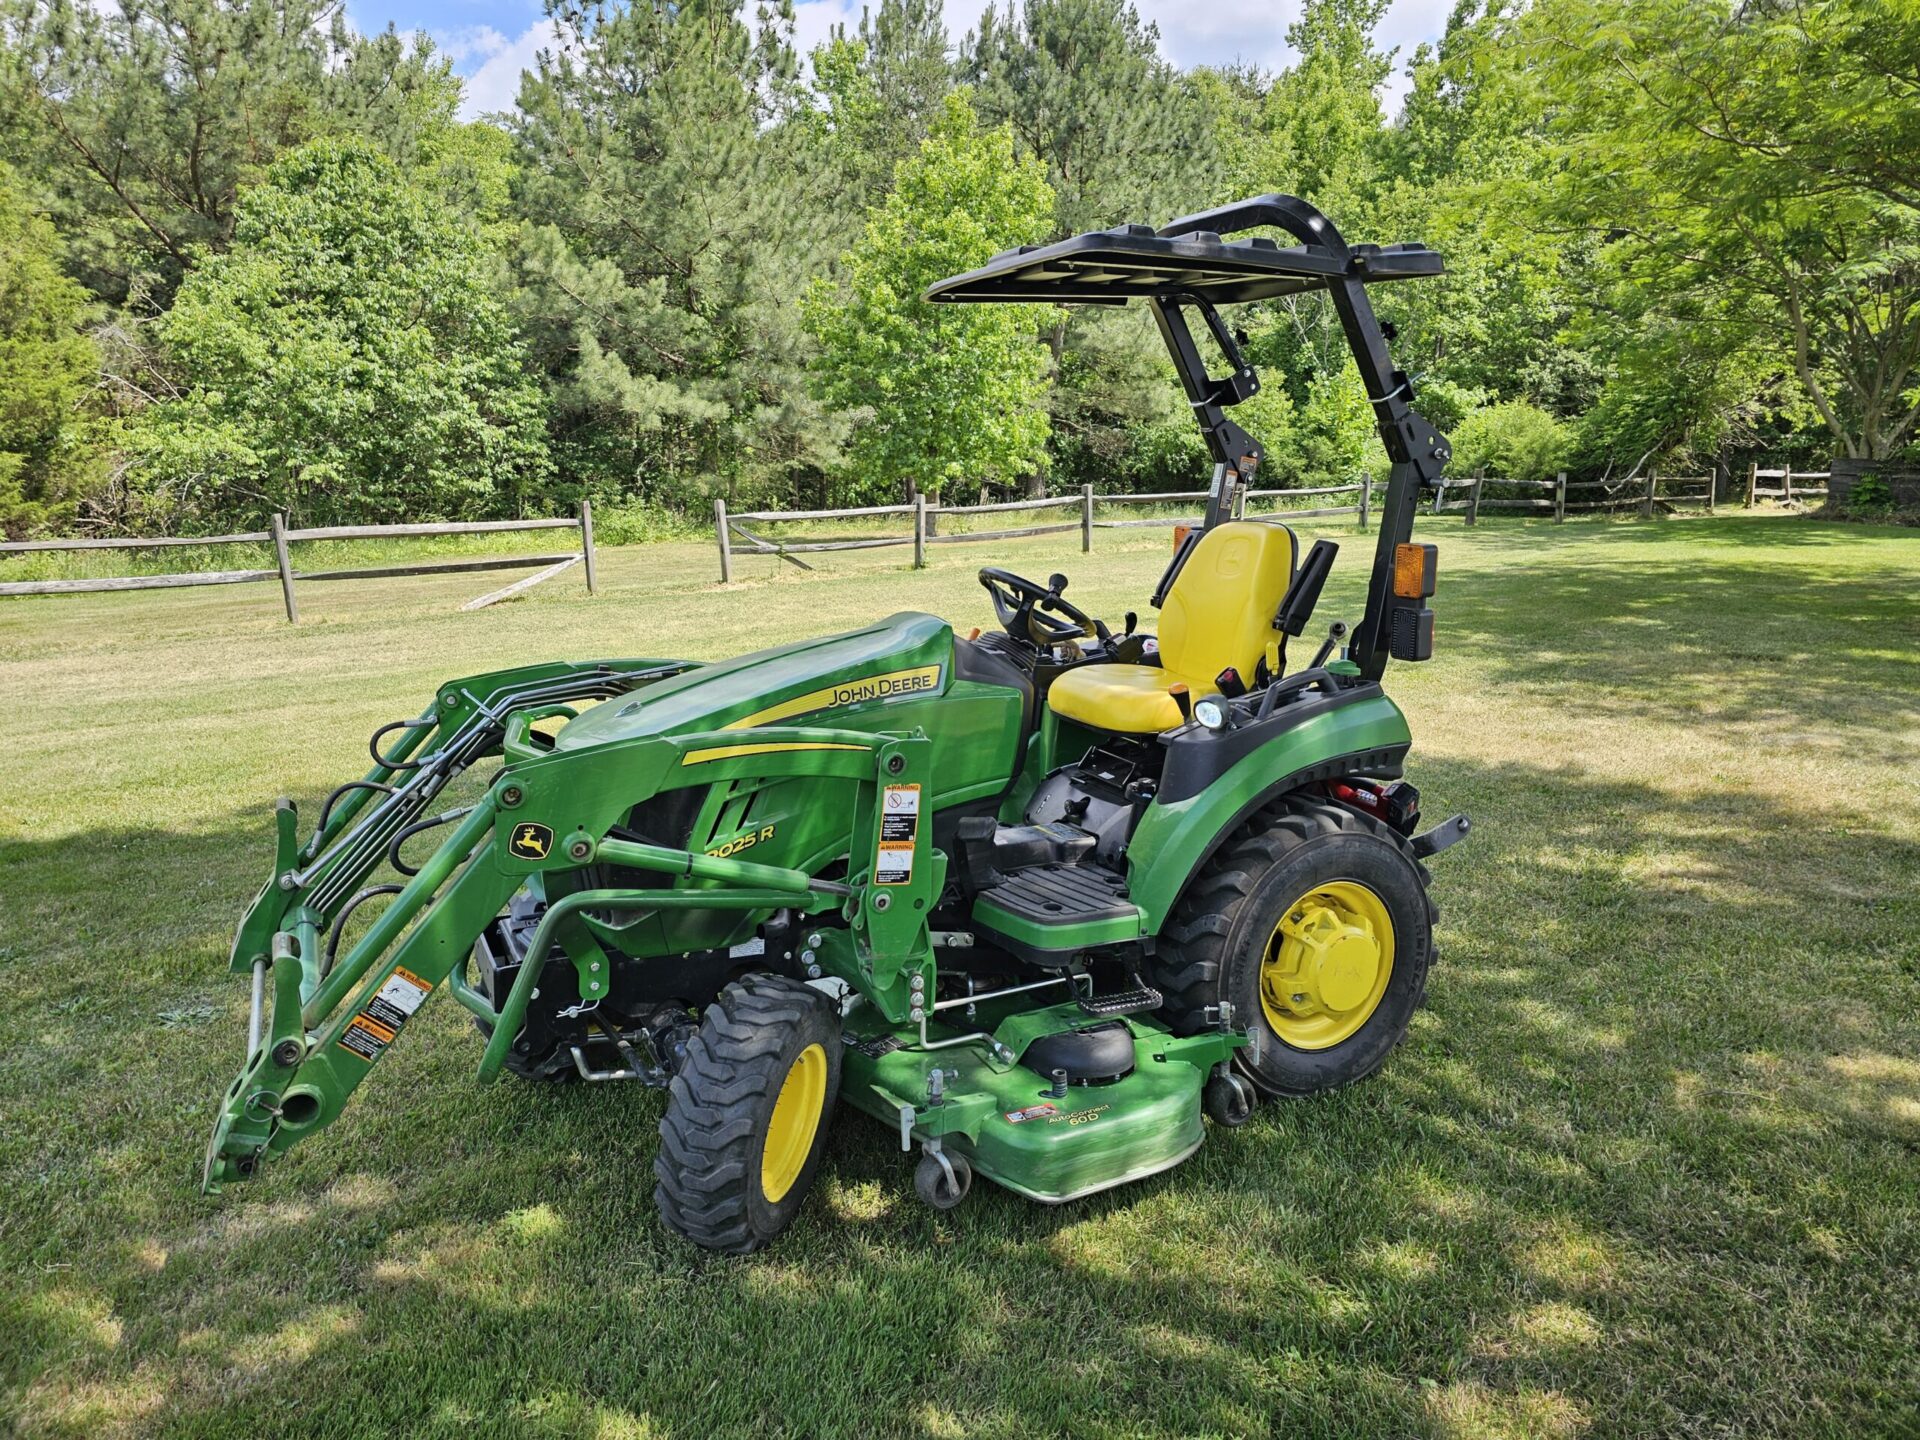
(1132, 262)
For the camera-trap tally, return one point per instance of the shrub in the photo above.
(1871, 495)
(1514, 441)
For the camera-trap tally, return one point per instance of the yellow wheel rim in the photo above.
(795, 1121)
(1327, 965)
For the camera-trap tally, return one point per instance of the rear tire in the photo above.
(1303, 857)
(747, 1115)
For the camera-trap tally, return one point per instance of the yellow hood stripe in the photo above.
(729, 752)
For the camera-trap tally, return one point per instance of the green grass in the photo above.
(1649, 1162)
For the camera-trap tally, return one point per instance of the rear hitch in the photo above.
(1443, 836)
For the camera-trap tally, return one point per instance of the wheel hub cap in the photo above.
(795, 1120)
(1327, 965)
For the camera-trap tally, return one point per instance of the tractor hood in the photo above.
(908, 655)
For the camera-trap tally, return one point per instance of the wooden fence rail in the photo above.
(1643, 494)
(731, 532)
(283, 538)
(1788, 491)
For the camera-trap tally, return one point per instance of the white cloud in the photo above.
(471, 45)
(495, 83)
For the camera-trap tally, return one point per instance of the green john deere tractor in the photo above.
(1038, 900)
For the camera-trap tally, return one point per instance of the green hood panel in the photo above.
(815, 681)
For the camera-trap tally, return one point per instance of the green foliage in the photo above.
(878, 92)
(47, 368)
(668, 234)
(1120, 133)
(344, 361)
(145, 117)
(1720, 153)
(1675, 230)
(952, 395)
(1512, 440)
(1871, 495)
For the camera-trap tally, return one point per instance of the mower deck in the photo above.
(1023, 1131)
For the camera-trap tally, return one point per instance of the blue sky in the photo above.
(491, 41)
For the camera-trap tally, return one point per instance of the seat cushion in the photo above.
(1132, 699)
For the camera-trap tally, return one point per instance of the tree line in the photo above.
(251, 261)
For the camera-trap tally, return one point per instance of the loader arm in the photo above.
(318, 1034)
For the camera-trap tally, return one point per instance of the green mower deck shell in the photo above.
(1000, 1116)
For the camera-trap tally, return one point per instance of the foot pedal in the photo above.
(1123, 1002)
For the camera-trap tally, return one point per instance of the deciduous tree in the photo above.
(345, 360)
(950, 395)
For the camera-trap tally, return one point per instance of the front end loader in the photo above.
(1041, 901)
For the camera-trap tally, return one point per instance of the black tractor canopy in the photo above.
(1192, 265)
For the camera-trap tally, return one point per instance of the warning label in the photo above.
(899, 825)
(366, 1038)
(397, 999)
(1032, 1112)
(372, 1030)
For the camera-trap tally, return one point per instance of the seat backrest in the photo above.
(1220, 610)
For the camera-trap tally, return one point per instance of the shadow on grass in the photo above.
(1646, 1165)
(1827, 657)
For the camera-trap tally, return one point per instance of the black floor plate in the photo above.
(1063, 894)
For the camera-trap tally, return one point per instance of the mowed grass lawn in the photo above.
(1648, 1164)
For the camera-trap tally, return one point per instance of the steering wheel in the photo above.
(1027, 609)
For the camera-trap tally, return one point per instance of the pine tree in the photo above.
(669, 235)
(140, 120)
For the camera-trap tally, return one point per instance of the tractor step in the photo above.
(1122, 1002)
(1047, 914)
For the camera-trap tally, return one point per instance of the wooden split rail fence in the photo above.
(283, 539)
(1637, 494)
(1789, 490)
(733, 535)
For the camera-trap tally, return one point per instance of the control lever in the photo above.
(1335, 634)
(1321, 680)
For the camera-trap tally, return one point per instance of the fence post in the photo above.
(726, 541)
(1086, 519)
(1786, 482)
(1646, 504)
(586, 542)
(1753, 479)
(919, 531)
(1366, 495)
(1560, 498)
(1473, 496)
(285, 562)
(1713, 485)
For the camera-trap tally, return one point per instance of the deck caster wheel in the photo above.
(942, 1180)
(1229, 1099)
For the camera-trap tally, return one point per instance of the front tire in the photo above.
(747, 1115)
(1314, 923)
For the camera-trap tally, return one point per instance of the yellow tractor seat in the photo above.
(1218, 615)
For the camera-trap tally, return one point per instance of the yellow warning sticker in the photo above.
(899, 827)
